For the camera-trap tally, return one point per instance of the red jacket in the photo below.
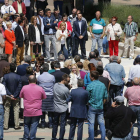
(69, 27)
(15, 5)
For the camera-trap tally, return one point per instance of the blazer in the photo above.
(58, 75)
(25, 79)
(32, 33)
(76, 29)
(79, 99)
(21, 69)
(12, 83)
(15, 5)
(19, 36)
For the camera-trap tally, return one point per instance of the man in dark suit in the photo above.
(21, 69)
(3, 63)
(13, 85)
(19, 34)
(58, 73)
(80, 30)
(79, 99)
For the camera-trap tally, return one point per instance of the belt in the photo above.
(49, 34)
(97, 34)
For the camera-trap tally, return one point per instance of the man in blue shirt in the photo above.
(97, 30)
(97, 96)
(117, 73)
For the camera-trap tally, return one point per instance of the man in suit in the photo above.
(79, 99)
(19, 34)
(3, 63)
(21, 69)
(80, 30)
(13, 85)
(58, 73)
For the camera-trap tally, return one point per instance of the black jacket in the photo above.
(76, 29)
(58, 75)
(115, 116)
(32, 34)
(65, 70)
(19, 36)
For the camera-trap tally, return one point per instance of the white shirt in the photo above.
(61, 64)
(7, 9)
(14, 25)
(22, 31)
(63, 38)
(27, 3)
(2, 92)
(113, 29)
(134, 72)
(42, 25)
(80, 24)
(37, 35)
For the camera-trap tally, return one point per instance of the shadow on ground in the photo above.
(36, 138)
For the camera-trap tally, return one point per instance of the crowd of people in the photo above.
(70, 87)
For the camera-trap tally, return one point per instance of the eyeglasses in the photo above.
(113, 20)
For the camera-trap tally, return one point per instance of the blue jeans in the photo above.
(60, 4)
(30, 127)
(69, 43)
(50, 118)
(1, 121)
(62, 125)
(64, 51)
(92, 113)
(105, 44)
(128, 137)
(97, 40)
(136, 109)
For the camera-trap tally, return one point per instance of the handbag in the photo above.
(116, 36)
(109, 134)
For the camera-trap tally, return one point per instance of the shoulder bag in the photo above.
(116, 36)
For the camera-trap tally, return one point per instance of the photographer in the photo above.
(121, 119)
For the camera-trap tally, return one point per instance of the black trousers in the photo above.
(80, 122)
(28, 13)
(82, 43)
(26, 42)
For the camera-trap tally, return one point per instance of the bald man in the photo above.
(97, 30)
(133, 96)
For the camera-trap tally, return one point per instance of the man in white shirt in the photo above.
(2, 96)
(15, 23)
(7, 8)
(40, 22)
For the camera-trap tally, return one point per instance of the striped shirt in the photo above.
(97, 93)
(131, 29)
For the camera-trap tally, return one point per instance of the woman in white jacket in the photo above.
(61, 36)
(113, 31)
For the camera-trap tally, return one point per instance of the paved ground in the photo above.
(45, 134)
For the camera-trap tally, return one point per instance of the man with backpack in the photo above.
(121, 119)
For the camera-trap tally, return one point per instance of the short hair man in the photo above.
(49, 33)
(21, 69)
(32, 95)
(132, 95)
(130, 36)
(79, 99)
(80, 30)
(47, 81)
(61, 59)
(97, 31)
(98, 90)
(15, 23)
(61, 93)
(58, 73)
(13, 85)
(73, 15)
(117, 73)
(20, 37)
(121, 119)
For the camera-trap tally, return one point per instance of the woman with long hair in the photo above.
(6, 18)
(69, 29)
(36, 38)
(61, 36)
(9, 41)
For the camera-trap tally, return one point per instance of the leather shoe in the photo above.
(18, 128)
